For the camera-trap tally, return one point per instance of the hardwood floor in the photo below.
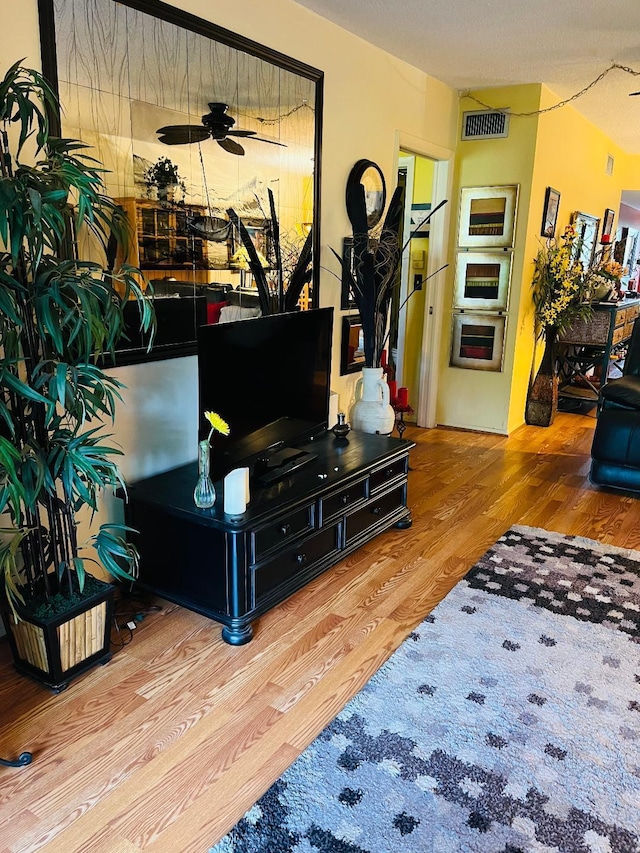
(166, 747)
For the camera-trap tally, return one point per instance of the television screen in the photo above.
(268, 377)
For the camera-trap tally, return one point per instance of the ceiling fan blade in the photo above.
(182, 134)
(631, 94)
(179, 128)
(241, 133)
(231, 146)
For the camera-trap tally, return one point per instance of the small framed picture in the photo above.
(607, 225)
(477, 341)
(487, 217)
(550, 213)
(482, 280)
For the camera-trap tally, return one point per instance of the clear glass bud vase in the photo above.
(204, 494)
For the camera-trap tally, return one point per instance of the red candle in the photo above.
(383, 358)
(393, 388)
(606, 238)
(403, 396)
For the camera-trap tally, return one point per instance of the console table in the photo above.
(234, 568)
(589, 345)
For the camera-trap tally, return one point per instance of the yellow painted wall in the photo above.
(476, 399)
(560, 149)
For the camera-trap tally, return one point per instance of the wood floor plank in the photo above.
(164, 749)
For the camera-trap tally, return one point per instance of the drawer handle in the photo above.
(285, 529)
(388, 472)
(376, 510)
(301, 559)
(346, 499)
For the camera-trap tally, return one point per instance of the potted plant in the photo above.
(59, 318)
(561, 294)
(372, 279)
(164, 179)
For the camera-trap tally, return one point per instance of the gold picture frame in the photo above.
(477, 341)
(488, 217)
(482, 280)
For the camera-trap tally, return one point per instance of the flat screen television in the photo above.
(269, 378)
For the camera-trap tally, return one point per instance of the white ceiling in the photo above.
(471, 44)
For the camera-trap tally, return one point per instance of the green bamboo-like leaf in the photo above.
(10, 541)
(17, 386)
(57, 314)
(118, 556)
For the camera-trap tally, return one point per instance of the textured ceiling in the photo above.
(478, 43)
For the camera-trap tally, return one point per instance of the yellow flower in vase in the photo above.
(218, 424)
(204, 494)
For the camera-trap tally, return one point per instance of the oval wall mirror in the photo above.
(368, 175)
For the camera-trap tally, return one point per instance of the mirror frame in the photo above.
(200, 26)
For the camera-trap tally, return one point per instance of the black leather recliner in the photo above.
(615, 452)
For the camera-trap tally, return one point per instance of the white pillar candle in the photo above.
(236, 491)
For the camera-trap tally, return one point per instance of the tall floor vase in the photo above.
(372, 411)
(542, 399)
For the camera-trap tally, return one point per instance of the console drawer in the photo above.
(293, 561)
(618, 335)
(280, 532)
(389, 472)
(376, 510)
(338, 502)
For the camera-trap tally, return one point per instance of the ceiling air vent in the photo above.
(485, 124)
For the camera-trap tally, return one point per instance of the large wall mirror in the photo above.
(192, 121)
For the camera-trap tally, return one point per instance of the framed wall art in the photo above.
(419, 212)
(477, 341)
(487, 217)
(482, 280)
(550, 212)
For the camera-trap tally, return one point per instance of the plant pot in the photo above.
(53, 650)
(371, 411)
(542, 399)
(167, 192)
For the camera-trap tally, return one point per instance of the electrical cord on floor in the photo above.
(128, 612)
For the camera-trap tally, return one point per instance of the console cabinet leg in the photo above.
(404, 523)
(238, 634)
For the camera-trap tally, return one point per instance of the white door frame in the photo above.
(437, 257)
(408, 163)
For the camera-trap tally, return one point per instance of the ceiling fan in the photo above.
(216, 124)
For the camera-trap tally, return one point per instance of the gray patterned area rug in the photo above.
(508, 721)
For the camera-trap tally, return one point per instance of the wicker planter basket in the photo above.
(54, 650)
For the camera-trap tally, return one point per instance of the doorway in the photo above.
(409, 304)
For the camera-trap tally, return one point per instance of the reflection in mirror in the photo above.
(193, 122)
(352, 348)
(586, 237)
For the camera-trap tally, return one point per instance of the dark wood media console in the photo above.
(234, 568)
